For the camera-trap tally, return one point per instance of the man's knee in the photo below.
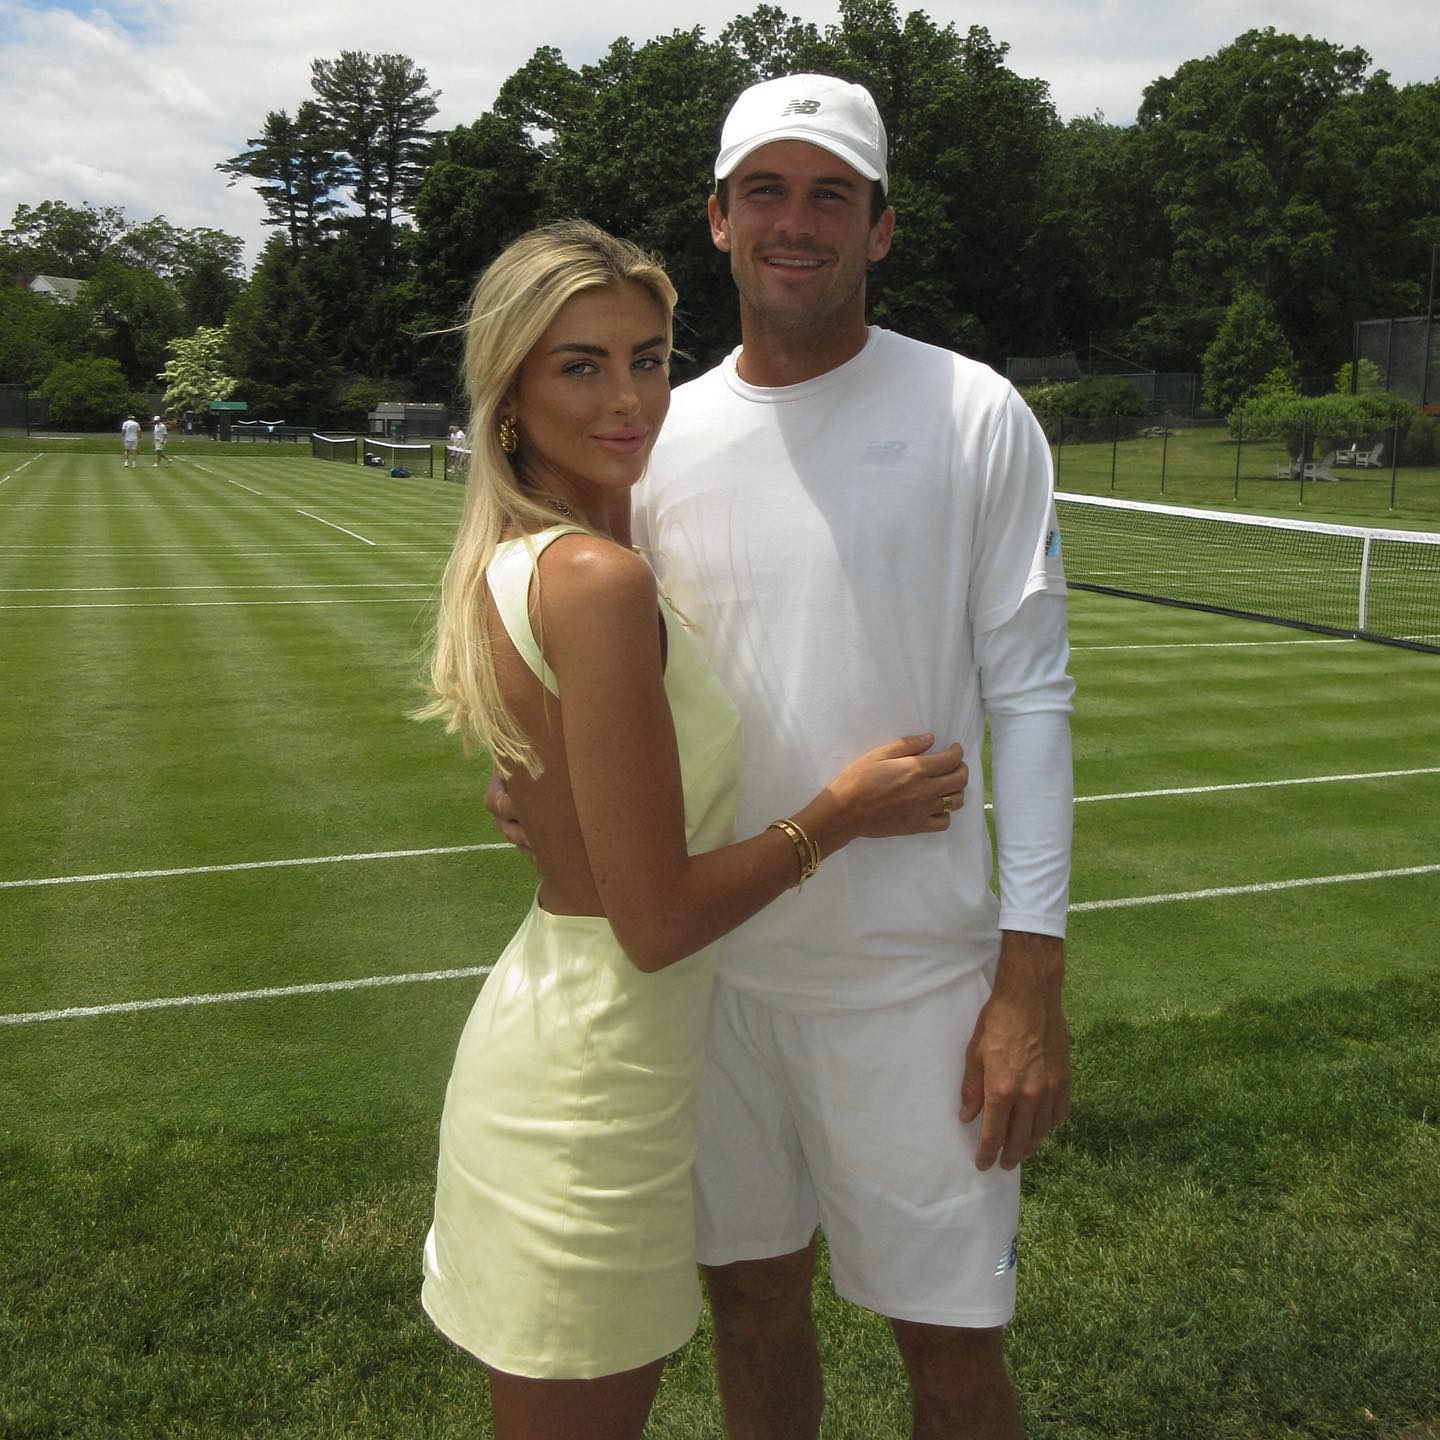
(754, 1296)
(950, 1360)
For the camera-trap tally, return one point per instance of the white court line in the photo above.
(1257, 785)
(16, 471)
(299, 585)
(502, 845)
(135, 552)
(211, 604)
(251, 865)
(1264, 887)
(274, 992)
(333, 525)
(129, 1007)
(225, 478)
(1214, 644)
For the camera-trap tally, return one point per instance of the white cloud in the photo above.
(134, 104)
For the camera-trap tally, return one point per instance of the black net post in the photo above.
(1164, 445)
(1429, 320)
(1394, 457)
(1239, 442)
(1059, 441)
(1114, 445)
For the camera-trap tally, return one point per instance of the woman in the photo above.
(562, 1253)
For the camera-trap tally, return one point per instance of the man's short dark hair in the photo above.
(878, 202)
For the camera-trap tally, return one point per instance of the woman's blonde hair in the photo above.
(515, 300)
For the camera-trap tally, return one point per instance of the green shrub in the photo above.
(1046, 401)
(1367, 377)
(1420, 442)
(1098, 397)
(88, 394)
(1247, 349)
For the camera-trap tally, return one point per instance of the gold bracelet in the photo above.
(806, 850)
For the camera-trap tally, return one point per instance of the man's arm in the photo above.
(1017, 1066)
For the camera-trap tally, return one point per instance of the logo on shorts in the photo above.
(1008, 1257)
(1052, 543)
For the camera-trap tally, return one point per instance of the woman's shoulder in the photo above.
(580, 568)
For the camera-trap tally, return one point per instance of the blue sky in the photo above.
(133, 103)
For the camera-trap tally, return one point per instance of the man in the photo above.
(158, 433)
(130, 441)
(860, 530)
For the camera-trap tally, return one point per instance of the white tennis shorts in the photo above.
(851, 1120)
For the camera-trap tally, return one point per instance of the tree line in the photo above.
(1264, 198)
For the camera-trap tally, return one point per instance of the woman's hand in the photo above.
(903, 788)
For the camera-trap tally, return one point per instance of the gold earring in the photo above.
(509, 436)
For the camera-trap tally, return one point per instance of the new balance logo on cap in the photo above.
(801, 107)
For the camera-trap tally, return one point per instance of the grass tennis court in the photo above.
(212, 1209)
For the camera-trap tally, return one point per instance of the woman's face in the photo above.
(591, 396)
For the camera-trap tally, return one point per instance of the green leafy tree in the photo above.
(1257, 153)
(295, 164)
(204, 265)
(1248, 347)
(35, 335)
(133, 316)
(54, 238)
(195, 373)
(376, 109)
(479, 193)
(90, 393)
(278, 347)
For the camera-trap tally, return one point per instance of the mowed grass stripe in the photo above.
(129, 1007)
(1231, 1177)
(181, 870)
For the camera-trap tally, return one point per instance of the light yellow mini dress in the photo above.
(563, 1241)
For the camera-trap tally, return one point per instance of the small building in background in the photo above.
(403, 420)
(60, 288)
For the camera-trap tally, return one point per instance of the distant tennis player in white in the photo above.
(130, 441)
(158, 434)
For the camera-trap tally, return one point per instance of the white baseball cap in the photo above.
(833, 114)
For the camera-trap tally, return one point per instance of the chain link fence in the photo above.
(1170, 457)
(1406, 352)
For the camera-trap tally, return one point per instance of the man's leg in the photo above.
(766, 1357)
(958, 1383)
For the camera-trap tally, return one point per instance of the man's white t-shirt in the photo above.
(850, 552)
(130, 434)
(159, 433)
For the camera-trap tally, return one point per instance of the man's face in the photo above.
(799, 236)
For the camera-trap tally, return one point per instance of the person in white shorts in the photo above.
(860, 530)
(130, 441)
(158, 434)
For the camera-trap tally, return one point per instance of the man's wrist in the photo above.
(1026, 955)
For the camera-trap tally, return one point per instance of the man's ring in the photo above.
(947, 804)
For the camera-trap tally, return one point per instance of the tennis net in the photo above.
(413, 459)
(333, 447)
(1340, 579)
